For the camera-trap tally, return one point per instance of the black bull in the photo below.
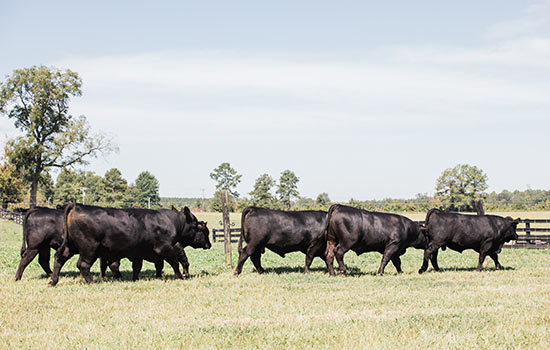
(42, 231)
(486, 234)
(136, 234)
(363, 231)
(282, 232)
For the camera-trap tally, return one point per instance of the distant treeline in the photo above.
(503, 201)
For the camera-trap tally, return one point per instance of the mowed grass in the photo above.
(458, 308)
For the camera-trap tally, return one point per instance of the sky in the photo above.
(361, 99)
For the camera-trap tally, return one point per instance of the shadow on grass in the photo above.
(145, 275)
(351, 271)
(473, 269)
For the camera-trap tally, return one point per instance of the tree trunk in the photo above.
(4, 204)
(34, 190)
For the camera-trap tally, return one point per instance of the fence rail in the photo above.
(217, 234)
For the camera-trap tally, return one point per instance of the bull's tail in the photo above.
(25, 232)
(68, 209)
(243, 226)
(430, 212)
(329, 234)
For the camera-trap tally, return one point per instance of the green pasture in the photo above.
(458, 308)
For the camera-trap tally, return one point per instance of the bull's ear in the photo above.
(187, 214)
(516, 221)
(174, 208)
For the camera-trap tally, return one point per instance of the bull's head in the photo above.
(198, 229)
(509, 231)
(202, 236)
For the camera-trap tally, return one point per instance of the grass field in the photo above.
(458, 308)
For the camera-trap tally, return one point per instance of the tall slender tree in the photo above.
(226, 178)
(261, 194)
(288, 188)
(147, 188)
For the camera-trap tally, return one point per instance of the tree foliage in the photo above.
(11, 184)
(322, 201)
(261, 194)
(114, 187)
(37, 100)
(226, 178)
(216, 202)
(147, 187)
(288, 188)
(459, 187)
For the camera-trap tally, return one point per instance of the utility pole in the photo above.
(226, 230)
(202, 205)
(148, 202)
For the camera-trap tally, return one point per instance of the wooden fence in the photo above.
(525, 240)
(11, 215)
(217, 234)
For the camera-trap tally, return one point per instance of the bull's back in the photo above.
(283, 228)
(459, 230)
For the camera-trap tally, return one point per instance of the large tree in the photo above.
(226, 178)
(261, 194)
(147, 187)
(288, 188)
(459, 187)
(37, 99)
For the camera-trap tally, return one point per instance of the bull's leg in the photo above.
(61, 256)
(136, 268)
(339, 254)
(427, 256)
(396, 261)
(102, 267)
(481, 260)
(250, 249)
(309, 260)
(168, 253)
(44, 260)
(182, 258)
(115, 269)
(310, 255)
(26, 258)
(84, 264)
(243, 255)
(329, 253)
(159, 265)
(256, 260)
(494, 256)
(389, 253)
(433, 259)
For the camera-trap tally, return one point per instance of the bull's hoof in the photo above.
(421, 271)
(236, 273)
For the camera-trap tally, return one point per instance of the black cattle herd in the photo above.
(161, 235)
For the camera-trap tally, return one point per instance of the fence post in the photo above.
(226, 230)
(527, 228)
(480, 206)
